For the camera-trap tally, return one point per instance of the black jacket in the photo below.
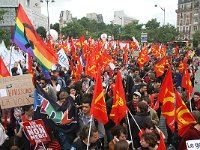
(142, 119)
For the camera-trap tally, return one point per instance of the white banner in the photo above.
(62, 59)
(193, 144)
(5, 54)
(17, 55)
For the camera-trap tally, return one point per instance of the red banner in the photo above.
(36, 131)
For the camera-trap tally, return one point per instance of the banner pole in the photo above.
(10, 57)
(89, 132)
(134, 120)
(129, 126)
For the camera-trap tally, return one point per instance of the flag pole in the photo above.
(89, 132)
(129, 126)
(134, 120)
(190, 98)
(10, 57)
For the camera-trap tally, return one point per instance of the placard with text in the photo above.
(16, 91)
(36, 132)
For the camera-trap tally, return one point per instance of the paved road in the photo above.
(197, 78)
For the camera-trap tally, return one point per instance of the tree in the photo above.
(1, 14)
(196, 39)
(166, 33)
(152, 24)
(41, 31)
(73, 29)
(56, 27)
(4, 34)
(152, 27)
(132, 29)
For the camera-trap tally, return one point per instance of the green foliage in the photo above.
(166, 33)
(132, 29)
(152, 24)
(73, 29)
(5, 36)
(196, 38)
(2, 12)
(41, 31)
(157, 33)
(56, 27)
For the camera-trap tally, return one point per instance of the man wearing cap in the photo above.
(132, 105)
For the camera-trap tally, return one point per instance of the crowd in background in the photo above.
(141, 88)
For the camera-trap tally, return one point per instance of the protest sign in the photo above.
(16, 91)
(36, 132)
(62, 59)
(193, 144)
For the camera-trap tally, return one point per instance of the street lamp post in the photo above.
(121, 20)
(48, 1)
(121, 26)
(163, 9)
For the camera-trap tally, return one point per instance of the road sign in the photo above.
(143, 37)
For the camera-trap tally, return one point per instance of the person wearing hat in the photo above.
(132, 105)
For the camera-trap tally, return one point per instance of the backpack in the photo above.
(63, 85)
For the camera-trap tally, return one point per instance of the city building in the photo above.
(94, 16)
(65, 17)
(31, 7)
(188, 18)
(120, 18)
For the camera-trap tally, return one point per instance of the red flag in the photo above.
(159, 68)
(180, 67)
(176, 51)
(106, 58)
(143, 58)
(73, 74)
(98, 107)
(183, 116)
(3, 70)
(91, 67)
(125, 55)
(166, 97)
(161, 145)
(79, 69)
(186, 82)
(155, 50)
(119, 107)
(163, 51)
(133, 45)
(30, 69)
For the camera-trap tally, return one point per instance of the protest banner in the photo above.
(16, 91)
(62, 59)
(36, 132)
(193, 144)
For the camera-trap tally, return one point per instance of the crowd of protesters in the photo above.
(141, 89)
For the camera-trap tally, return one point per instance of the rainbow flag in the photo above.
(26, 37)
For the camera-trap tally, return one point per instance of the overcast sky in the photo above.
(143, 10)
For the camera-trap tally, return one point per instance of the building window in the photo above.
(181, 22)
(195, 28)
(195, 20)
(181, 15)
(186, 29)
(187, 22)
(181, 29)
